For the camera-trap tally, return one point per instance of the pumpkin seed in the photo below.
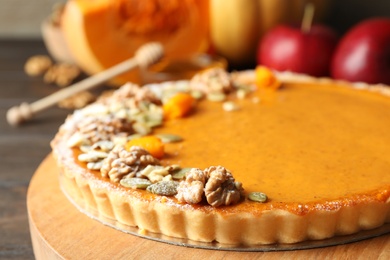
(216, 97)
(165, 188)
(154, 173)
(92, 156)
(169, 138)
(197, 94)
(142, 128)
(95, 165)
(85, 148)
(134, 136)
(180, 173)
(104, 146)
(172, 168)
(122, 113)
(230, 106)
(257, 196)
(119, 140)
(153, 122)
(76, 139)
(135, 183)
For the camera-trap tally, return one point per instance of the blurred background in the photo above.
(22, 18)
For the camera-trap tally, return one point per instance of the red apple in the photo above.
(288, 48)
(363, 54)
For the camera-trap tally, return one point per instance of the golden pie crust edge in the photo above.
(171, 219)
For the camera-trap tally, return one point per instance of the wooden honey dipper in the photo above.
(146, 55)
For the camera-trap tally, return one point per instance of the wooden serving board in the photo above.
(60, 231)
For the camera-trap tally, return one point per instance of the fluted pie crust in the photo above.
(352, 205)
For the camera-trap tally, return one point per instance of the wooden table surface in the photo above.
(22, 149)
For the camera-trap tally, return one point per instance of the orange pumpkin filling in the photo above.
(311, 144)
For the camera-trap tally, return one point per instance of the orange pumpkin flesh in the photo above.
(103, 33)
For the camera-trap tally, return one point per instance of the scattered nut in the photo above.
(37, 65)
(62, 74)
(212, 81)
(77, 101)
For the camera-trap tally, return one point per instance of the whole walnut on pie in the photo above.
(215, 183)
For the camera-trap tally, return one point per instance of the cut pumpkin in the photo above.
(102, 33)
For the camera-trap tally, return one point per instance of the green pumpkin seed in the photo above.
(216, 97)
(141, 128)
(169, 138)
(180, 173)
(197, 94)
(230, 106)
(153, 122)
(165, 188)
(257, 196)
(242, 93)
(135, 183)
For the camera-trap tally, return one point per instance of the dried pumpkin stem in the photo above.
(145, 56)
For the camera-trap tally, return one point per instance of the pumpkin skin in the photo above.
(236, 26)
(102, 33)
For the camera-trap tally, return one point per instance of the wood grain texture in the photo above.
(21, 149)
(59, 230)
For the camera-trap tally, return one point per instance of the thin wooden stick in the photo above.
(146, 55)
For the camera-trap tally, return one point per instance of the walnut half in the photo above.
(212, 81)
(120, 162)
(191, 190)
(221, 188)
(215, 183)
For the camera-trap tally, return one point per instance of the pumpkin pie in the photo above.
(244, 164)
